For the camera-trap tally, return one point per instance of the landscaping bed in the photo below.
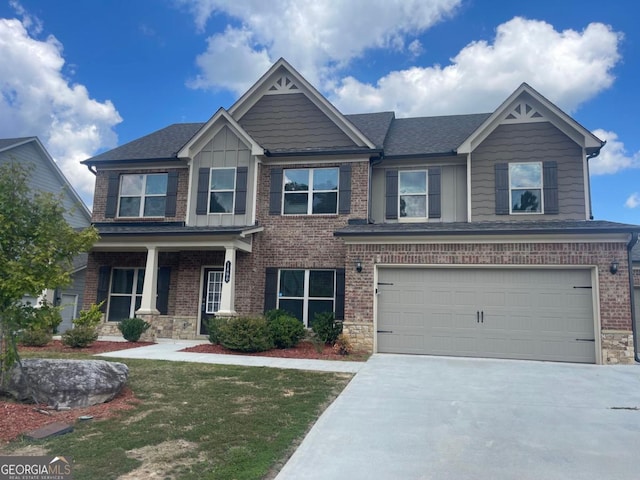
(56, 346)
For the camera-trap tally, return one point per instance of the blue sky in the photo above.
(88, 76)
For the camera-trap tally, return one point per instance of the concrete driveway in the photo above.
(417, 417)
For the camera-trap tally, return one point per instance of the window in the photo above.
(222, 190)
(304, 293)
(143, 195)
(311, 191)
(412, 194)
(125, 294)
(213, 291)
(525, 187)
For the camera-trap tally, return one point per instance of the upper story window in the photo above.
(412, 194)
(525, 187)
(311, 191)
(143, 195)
(222, 190)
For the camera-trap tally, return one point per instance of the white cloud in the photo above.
(319, 37)
(633, 201)
(613, 156)
(568, 67)
(37, 100)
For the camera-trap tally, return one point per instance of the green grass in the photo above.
(199, 421)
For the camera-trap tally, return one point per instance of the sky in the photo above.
(88, 76)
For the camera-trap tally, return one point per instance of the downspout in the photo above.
(92, 170)
(589, 157)
(634, 327)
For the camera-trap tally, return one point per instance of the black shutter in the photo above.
(434, 192)
(241, 190)
(112, 195)
(275, 192)
(340, 284)
(104, 275)
(172, 195)
(344, 206)
(550, 184)
(270, 289)
(502, 188)
(391, 210)
(162, 300)
(202, 200)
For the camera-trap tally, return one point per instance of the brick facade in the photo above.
(614, 299)
(100, 195)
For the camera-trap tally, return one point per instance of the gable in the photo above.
(292, 122)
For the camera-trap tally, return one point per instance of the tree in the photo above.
(36, 251)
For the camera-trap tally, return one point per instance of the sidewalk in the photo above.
(169, 349)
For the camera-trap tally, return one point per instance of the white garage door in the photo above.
(498, 313)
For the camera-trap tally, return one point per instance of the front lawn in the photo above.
(198, 421)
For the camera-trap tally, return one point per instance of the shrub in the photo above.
(286, 330)
(91, 317)
(213, 327)
(47, 317)
(343, 345)
(80, 336)
(133, 328)
(245, 334)
(326, 327)
(35, 337)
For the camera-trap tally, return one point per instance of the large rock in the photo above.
(67, 383)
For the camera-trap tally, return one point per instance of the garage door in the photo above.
(497, 313)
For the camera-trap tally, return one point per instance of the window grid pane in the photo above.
(304, 293)
(214, 292)
(311, 191)
(143, 195)
(525, 186)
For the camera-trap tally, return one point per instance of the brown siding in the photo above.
(527, 142)
(292, 121)
(100, 195)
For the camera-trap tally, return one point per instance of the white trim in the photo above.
(179, 243)
(425, 195)
(306, 298)
(595, 291)
(587, 185)
(541, 188)
(468, 187)
(143, 195)
(288, 161)
(233, 191)
(200, 295)
(310, 192)
(254, 206)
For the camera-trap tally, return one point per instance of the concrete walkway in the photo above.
(167, 349)
(417, 417)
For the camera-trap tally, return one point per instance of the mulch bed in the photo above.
(97, 347)
(305, 350)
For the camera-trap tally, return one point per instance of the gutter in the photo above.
(634, 327)
(309, 153)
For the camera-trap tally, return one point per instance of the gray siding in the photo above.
(453, 190)
(527, 142)
(224, 150)
(292, 121)
(44, 178)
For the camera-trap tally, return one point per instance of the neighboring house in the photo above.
(45, 176)
(635, 261)
(457, 235)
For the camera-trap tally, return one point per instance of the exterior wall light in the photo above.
(358, 266)
(613, 268)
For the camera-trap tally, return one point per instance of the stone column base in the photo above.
(617, 347)
(360, 335)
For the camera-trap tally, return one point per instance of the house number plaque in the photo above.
(227, 271)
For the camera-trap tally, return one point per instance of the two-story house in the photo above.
(458, 235)
(46, 176)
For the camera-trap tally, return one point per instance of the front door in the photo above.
(211, 294)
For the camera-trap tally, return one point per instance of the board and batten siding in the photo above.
(44, 178)
(292, 121)
(453, 188)
(225, 150)
(528, 142)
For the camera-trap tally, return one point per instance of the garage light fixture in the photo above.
(358, 266)
(613, 268)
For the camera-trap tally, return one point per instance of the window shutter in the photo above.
(270, 289)
(162, 300)
(241, 190)
(172, 195)
(340, 284)
(502, 188)
(112, 195)
(550, 184)
(104, 275)
(434, 192)
(275, 192)
(345, 189)
(202, 199)
(391, 210)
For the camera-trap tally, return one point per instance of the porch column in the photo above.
(228, 294)
(150, 285)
